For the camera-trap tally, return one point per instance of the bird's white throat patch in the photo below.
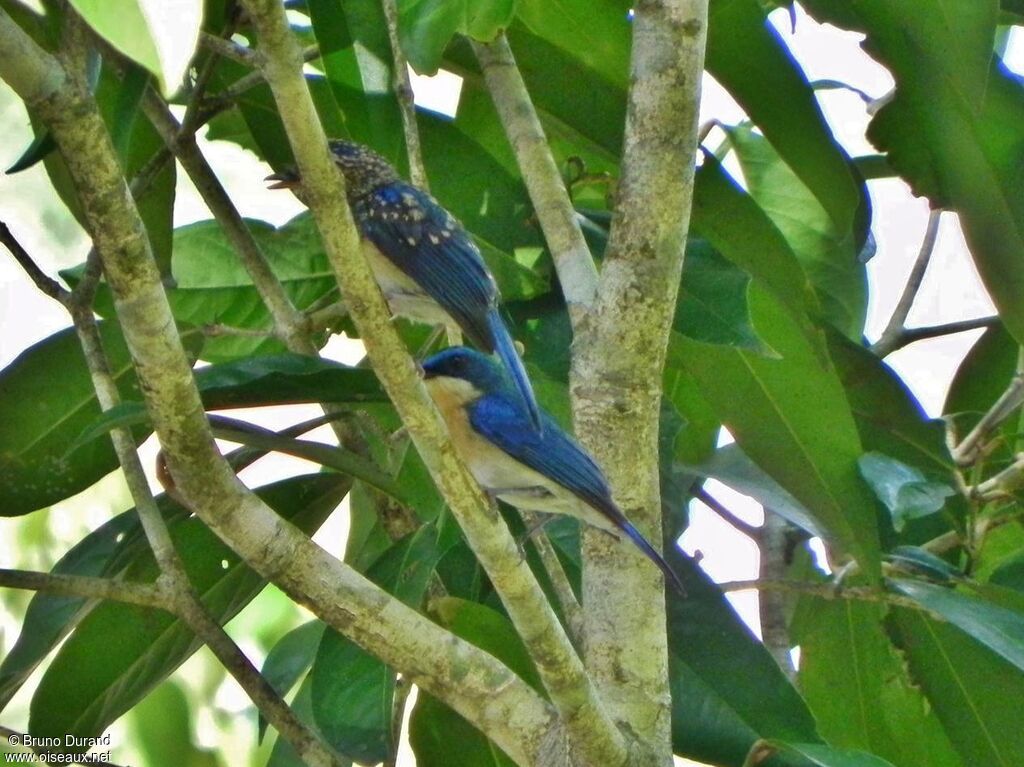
(450, 393)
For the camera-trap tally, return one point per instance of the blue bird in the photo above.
(428, 267)
(535, 470)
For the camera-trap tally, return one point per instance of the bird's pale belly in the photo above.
(405, 298)
(505, 477)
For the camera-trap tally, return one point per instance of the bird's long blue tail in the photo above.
(506, 350)
(652, 553)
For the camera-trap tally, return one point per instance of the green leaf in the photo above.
(47, 399)
(980, 380)
(352, 691)
(727, 691)
(159, 38)
(120, 652)
(285, 379)
(736, 226)
(357, 59)
(857, 686)
(827, 756)
(745, 54)
(161, 725)
(41, 146)
(903, 489)
(791, 416)
(433, 727)
(953, 126)
(827, 251)
(712, 305)
(289, 659)
(731, 466)
(999, 629)
(49, 618)
(426, 26)
(124, 26)
(975, 693)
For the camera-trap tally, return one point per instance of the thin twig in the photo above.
(749, 530)
(911, 335)
(228, 49)
(215, 329)
(87, 587)
(198, 91)
(43, 281)
(406, 98)
(290, 323)
(577, 272)
(824, 591)
(897, 322)
(969, 449)
(570, 604)
(226, 98)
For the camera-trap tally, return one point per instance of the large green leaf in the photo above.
(356, 56)
(827, 251)
(135, 28)
(975, 693)
(1001, 630)
(791, 416)
(746, 55)
(289, 659)
(858, 689)
(49, 618)
(712, 305)
(120, 652)
(727, 691)
(433, 727)
(47, 399)
(426, 26)
(955, 124)
(352, 691)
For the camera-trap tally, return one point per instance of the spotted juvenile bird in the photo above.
(535, 470)
(428, 267)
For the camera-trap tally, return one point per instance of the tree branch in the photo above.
(128, 592)
(406, 99)
(888, 342)
(619, 355)
(824, 591)
(185, 601)
(773, 545)
(591, 734)
(476, 685)
(558, 219)
(911, 335)
(749, 530)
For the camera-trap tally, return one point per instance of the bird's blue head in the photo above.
(465, 372)
(364, 169)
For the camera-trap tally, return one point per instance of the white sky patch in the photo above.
(438, 93)
(174, 26)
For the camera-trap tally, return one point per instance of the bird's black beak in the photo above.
(288, 179)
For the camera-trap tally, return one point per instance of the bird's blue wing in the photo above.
(552, 452)
(555, 454)
(426, 242)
